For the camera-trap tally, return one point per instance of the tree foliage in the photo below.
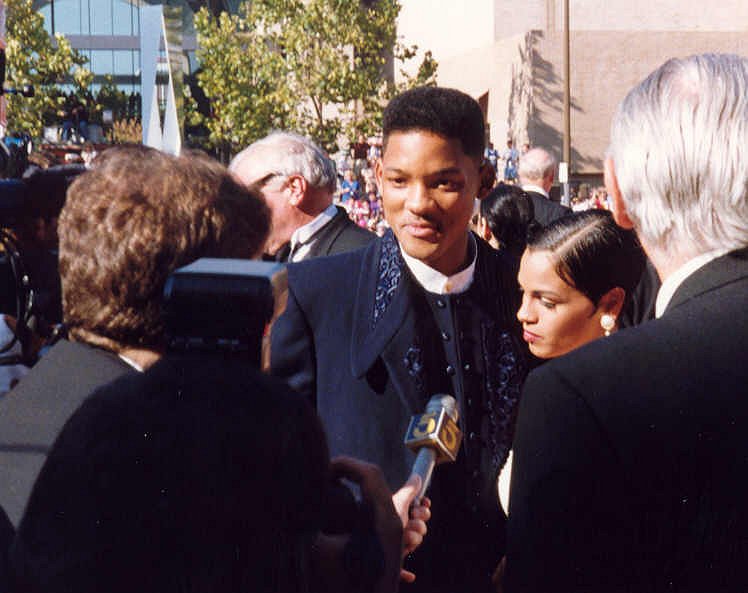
(34, 58)
(315, 66)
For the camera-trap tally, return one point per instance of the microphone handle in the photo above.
(424, 467)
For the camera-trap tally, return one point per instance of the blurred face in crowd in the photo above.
(428, 184)
(556, 317)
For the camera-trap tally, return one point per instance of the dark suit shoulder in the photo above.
(340, 235)
(57, 384)
(317, 275)
(546, 211)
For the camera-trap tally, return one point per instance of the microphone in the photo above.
(435, 436)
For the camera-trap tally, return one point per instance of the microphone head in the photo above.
(436, 429)
(442, 400)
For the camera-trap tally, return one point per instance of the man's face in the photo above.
(256, 173)
(428, 184)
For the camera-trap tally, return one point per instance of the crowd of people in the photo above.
(593, 358)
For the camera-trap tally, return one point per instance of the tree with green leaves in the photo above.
(316, 66)
(32, 57)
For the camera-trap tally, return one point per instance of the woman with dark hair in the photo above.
(506, 216)
(575, 275)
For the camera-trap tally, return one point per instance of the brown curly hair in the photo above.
(130, 222)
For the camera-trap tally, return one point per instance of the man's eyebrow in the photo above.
(445, 171)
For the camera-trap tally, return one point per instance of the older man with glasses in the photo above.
(297, 181)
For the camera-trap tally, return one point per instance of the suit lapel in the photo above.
(723, 270)
(384, 324)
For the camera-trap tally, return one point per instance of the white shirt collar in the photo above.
(536, 189)
(131, 363)
(300, 240)
(674, 280)
(434, 281)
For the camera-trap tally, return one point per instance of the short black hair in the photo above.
(446, 112)
(509, 212)
(592, 253)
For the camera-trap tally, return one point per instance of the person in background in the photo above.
(506, 215)
(510, 156)
(297, 181)
(537, 168)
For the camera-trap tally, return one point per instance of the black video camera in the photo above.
(224, 305)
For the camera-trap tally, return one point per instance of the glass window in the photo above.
(46, 12)
(122, 17)
(68, 17)
(101, 17)
(123, 62)
(102, 61)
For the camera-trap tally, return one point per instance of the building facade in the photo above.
(509, 55)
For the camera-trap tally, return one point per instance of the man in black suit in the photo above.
(631, 459)
(371, 335)
(297, 181)
(126, 225)
(537, 168)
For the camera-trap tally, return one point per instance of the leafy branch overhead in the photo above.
(321, 67)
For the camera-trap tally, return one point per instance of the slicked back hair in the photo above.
(592, 253)
(130, 222)
(678, 144)
(510, 214)
(447, 112)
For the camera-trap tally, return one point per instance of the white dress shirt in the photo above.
(434, 281)
(672, 282)
(536, 189)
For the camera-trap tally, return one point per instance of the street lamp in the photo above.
(566, 164)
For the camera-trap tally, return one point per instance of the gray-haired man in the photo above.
(297, 180)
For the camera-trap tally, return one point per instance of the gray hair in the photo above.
(293, 154)
(536, 164)
(678, 144)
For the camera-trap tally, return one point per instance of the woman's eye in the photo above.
(548, 304)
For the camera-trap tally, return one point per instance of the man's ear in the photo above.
(297, 187)
(618, 208)
(378, 173)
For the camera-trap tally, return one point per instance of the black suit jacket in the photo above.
(546, 211)
(631, 459)
(201, 474)
(32, 414)
(351, 340)
(339, 235)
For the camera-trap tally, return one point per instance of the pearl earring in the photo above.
(607, 322)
